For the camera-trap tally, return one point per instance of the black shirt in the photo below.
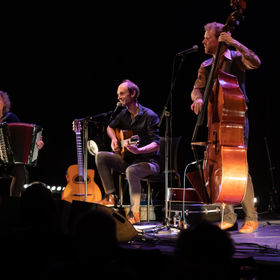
(145, 125)
(10, 118)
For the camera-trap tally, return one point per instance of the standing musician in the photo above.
(18, 172)
(235, 63)
(142, 159)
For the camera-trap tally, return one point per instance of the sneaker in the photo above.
(228, 226)
(249, 227)
(109, 200)
(133, 218)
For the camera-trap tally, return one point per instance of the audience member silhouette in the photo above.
(94, 248)
(91, 249)
(34, 245)
(205, 252)
(38, 207)
(97, 230)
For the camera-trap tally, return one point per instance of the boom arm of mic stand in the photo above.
(95, 118)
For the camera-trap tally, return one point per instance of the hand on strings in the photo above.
(131, 147)
(197, 105)
(115, 146)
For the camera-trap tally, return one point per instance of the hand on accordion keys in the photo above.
(40, 144)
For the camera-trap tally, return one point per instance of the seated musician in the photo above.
(234, 62)
(141, 160)
(18, 172)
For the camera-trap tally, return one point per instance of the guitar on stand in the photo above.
(80, 187)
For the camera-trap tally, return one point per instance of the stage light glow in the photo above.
(51, 188)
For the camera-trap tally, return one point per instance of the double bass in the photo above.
(223, 170)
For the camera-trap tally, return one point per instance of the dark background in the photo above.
(61, 62)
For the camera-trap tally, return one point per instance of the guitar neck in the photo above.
(80, 157)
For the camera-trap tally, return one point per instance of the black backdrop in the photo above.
(60, 62)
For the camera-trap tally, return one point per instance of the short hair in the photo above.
(132, 87)
(218, 27)
(7, 102)
(37, 204)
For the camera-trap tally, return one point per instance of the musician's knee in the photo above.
(100, 157)
(130, 171)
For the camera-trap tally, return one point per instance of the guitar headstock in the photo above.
(77, 127)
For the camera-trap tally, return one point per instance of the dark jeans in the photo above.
(19, 176)
(108, 161)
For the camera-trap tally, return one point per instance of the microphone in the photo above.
(119, 104)
(116, 111)
(183, 53)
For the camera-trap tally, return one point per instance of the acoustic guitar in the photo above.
(76, 188)
(126, 135)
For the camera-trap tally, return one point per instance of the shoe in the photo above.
(249, 227)
(109, 200)
(228, 226)
(133, 218)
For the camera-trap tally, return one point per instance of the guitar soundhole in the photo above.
(80, 179)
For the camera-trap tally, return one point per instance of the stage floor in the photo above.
(257, 255)
(261, 246)
(258, 252)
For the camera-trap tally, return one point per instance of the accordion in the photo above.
(18, 143)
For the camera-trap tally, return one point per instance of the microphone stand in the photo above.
(85, 137)
(273, 194)
(168, 134)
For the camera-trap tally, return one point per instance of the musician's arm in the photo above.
(114, 141)
(197, 92)
(197, 99)
(152, 147)
(249, 58)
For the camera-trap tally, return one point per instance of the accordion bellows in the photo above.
(18, 143)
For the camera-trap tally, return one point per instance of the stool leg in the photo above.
(148, 201)
(120, 191)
